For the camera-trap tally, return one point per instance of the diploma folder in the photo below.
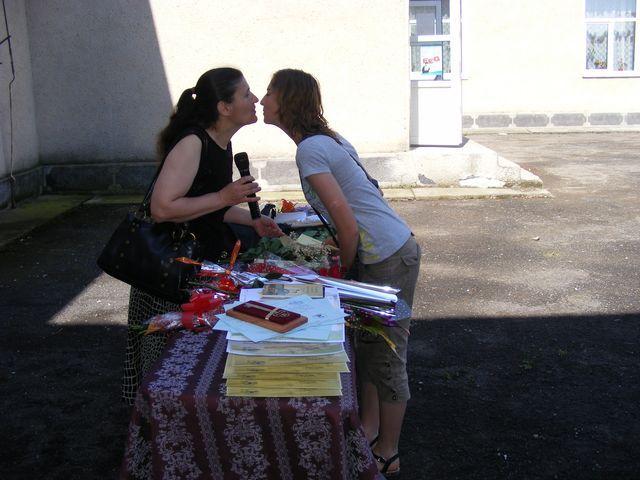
(267, 316)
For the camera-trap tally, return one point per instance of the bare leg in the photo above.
(369, 410)
(391, 417)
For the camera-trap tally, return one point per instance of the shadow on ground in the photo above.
(531, 397)
(61, 351)
(514, 398)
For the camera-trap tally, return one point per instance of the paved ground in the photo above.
(524, 359)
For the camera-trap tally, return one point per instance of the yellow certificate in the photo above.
(234, 360)
(299, 369)
(281, 392)
(286, 383)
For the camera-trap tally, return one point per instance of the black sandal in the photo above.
(374, 441)
(387, 463)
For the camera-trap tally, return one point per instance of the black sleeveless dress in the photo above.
(215, 237)
(214, 173)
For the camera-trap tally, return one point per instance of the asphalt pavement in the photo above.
(524, 353)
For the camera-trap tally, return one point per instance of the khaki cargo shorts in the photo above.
(376, 363)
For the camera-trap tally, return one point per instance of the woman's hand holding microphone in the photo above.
(243, 190)
(240, 191)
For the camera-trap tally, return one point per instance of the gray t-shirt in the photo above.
(382, 231)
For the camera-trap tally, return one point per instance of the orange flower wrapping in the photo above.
(227, 285)
(166, 322)
(287, 206)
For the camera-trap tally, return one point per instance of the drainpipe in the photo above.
(12, 179)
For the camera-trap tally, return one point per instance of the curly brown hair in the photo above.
(300, 103)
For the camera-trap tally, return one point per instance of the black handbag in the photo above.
(143, 253)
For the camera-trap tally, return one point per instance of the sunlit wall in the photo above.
(107, 73)
(531, 57)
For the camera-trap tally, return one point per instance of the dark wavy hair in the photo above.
(300, 103)
(198, 106)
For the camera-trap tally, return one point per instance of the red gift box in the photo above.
(273, 318)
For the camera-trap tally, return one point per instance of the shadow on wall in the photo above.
(100, 88)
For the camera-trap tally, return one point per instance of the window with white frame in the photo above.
(611, 46)
(430, 39)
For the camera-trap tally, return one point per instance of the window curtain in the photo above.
(597, 34)
(623, 46)
(611, 8)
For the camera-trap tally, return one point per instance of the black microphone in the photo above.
(242, 162)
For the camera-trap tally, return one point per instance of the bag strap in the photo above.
(326, 225)
(146, 201)
(369, 177)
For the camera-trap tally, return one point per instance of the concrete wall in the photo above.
(529, 58)
(99, 80)
(25, 138)
(106, 74)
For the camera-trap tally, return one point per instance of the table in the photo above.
(183, 426)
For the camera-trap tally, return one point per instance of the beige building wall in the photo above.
(530, 57)
(107, 73)
(356, 49)
(25, 138)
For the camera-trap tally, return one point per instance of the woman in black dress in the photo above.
(195, 185)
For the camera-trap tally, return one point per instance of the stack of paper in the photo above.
(298, 219)
(306, 361)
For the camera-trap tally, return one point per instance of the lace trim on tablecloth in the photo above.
(173, 440)
(244, 437)
(277, 432)
(204, 421)
(312, 434)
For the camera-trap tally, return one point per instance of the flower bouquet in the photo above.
(197, 314)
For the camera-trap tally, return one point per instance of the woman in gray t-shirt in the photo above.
(373, 239)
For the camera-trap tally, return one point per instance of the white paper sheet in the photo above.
(319, 311)
(321, 315)
(336, 335)
(275, 349)
(318, 331)
(248, 330)
(290, 217)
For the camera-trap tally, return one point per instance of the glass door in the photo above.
(434, 39)
(430, 26)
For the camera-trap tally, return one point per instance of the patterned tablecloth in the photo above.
(184, 427)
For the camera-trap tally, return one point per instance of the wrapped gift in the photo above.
(267, 316)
